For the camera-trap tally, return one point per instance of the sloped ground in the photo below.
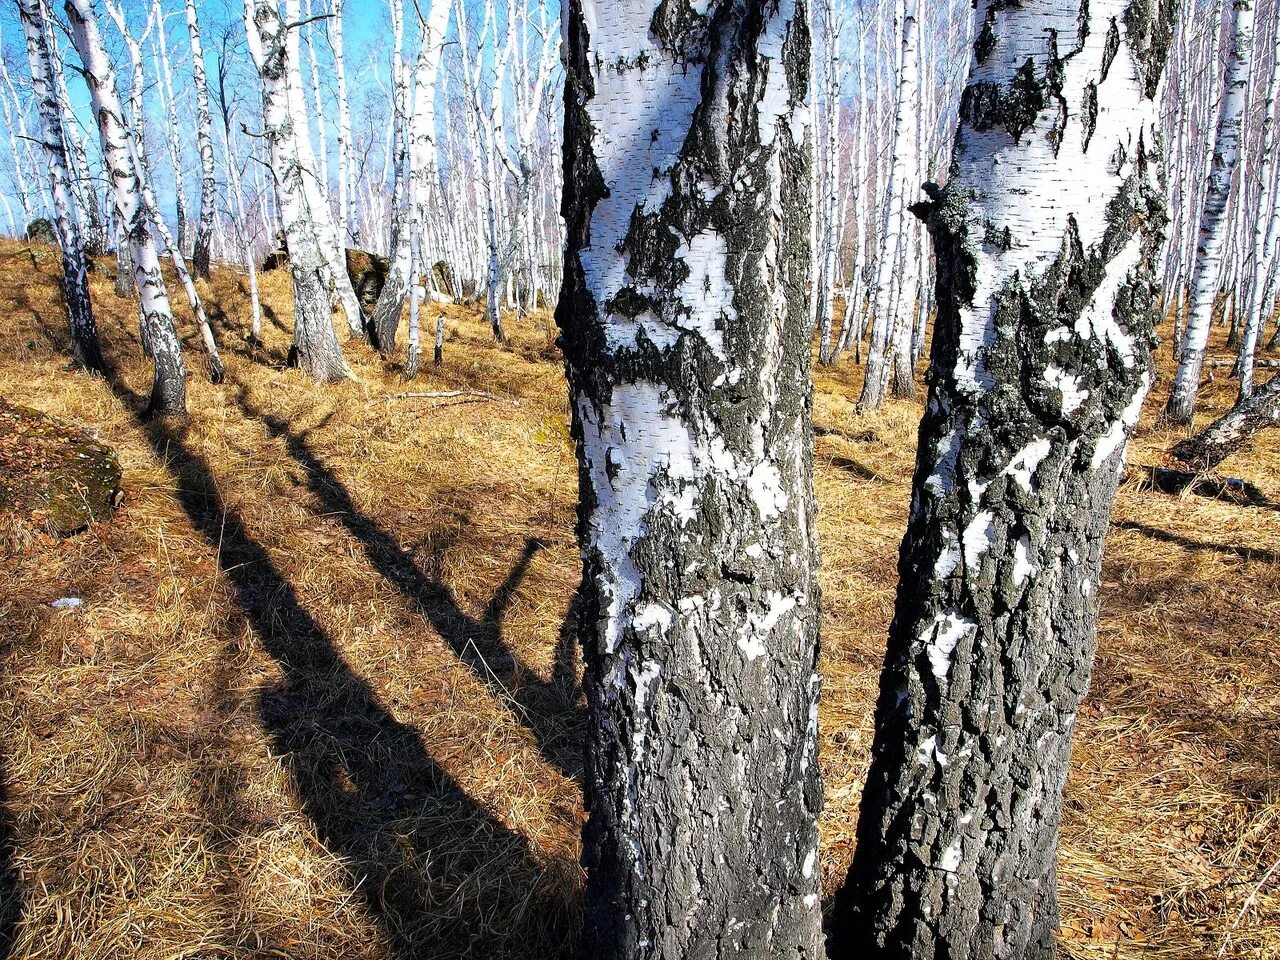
(320, 698)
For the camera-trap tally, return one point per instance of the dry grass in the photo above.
(320, 699)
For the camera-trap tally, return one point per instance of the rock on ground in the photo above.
(52, 475)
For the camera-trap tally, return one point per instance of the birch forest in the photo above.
(639, 479)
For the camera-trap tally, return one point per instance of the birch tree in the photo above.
(685, 324)
(172, 138)
(16, 128)
(1266, 231)
(75, 275)
(137, 146)
(236, 188)
(159, 335)
(346, 206)
(1206, 281)
(204, 137)
(94, 227)
(419, 168)
(1045, 237)
(902, 172)
(315, 344)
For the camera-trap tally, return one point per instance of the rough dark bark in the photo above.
(1041, 357)
(685, 327)
(1233, 430)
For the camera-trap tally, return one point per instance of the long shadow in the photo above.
(10, 885)
(443, 877)
(546, 708)
(1231, 549)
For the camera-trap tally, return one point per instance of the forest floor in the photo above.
(319, 700)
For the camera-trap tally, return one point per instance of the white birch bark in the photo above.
(159, 335)
(204, 138)
(333, 253)
(315, 344)
(419, 168)
(1206, 279)
(901, 168)
(346, 208)
(16, 128)
(75, 276)
(86, 196)
(235, 188)
(172, 130)
(1266, 232)
(319, 113)
(137, 145)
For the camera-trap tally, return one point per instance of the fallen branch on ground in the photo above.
(450, 394)
(1233, 429)
(1264, 364)
(1230, 489)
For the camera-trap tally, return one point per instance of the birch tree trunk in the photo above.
(1045, 238)
(419, 166)
(830, 192)
(332, 252)
(315, 344)
(204, 137)
(902, 169)
(685, 325)
(134, 124)
(236, 190)
(1266, 233)
(75, 275)
(171, 129)
(16, 128)
(1233, 430)
(95, 228)
(346, 209)
(1206, 279)
(159, 335)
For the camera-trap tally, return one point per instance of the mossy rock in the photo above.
(53, 475)
(41, 230)
(368, 273)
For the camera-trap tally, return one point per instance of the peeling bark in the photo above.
(1045, 238)
(685, 325)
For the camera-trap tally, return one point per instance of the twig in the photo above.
(449, 394)
(1248, 902)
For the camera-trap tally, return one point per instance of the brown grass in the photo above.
(320, 698)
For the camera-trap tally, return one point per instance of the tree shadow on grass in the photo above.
(547, 709)
(442, 875)
(1227, 549)
(10, 886)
